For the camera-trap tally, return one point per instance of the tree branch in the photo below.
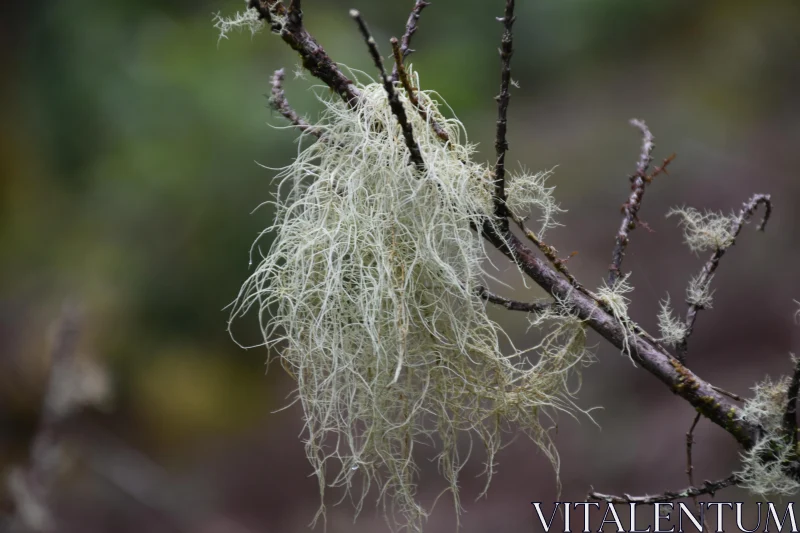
(411, 29)
(790, 416)
(402, 75)
(512, 305)
(682, 381)
(630, 209)
(281, 105)
(708, 487)
(501, 144)
(394, 101)
(747, 211)
(314, 57)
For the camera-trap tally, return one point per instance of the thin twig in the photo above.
(394, 100)
(401, 74)
(747, 211)
(646, 353)
(729, 394)
(295, 13)
(790, 416)
(708, 487)
(501, 144)
(690, 465)
(512, 305)
(630, 209)
(411, 29)
(281, 105)
(314, 57)
(549, 252)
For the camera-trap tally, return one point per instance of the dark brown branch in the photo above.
(501, 144)
(747, 211)
(281, 105)
(314, 57)
(394, 100)
(630, 209)
(512, 305)
(402, 74)
(411, 29)
(682, 381)
(790, 416)
(549, 252)
(647, 353)
(708, 487)
(690, 464)
(295, 14)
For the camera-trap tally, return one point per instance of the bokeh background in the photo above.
(129, 143)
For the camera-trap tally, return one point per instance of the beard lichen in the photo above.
(370, 295)
(764, 465)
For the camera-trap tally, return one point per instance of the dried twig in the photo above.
(512, 305)
(747, 211)
(690, 464)
(630, 209)
(394, 100)
(708, 487)
(281, 105)
(405, 81)
(295, 14)
(314, 57)
(501, 144)
(647, 353)
(790, 415)
(411, 29)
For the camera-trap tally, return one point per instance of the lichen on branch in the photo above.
(371, 294)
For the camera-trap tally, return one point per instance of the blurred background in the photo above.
(129, 143)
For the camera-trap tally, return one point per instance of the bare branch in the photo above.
(314, 57)
(394, 100)
(281, 105)
(549, 252)
(648, 354)
(402, 75)
(790, 416)
(501, 144)
(411, 29)
(512, 305)
(747, 211)
(295, 14)
(630, 209)
(708, 487)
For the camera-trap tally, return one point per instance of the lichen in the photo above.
(673, 330)
(528, 192)
(369, 294)
(614, 299)
(249, 19)
(764, 465)
(699, 293)
(705, 231)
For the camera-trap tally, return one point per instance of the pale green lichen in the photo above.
(699, 293)
(613, 297)
(764, 465)
(705, 231)
(370, 295)
(249, 19)
(528, 192)
(673, 329)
